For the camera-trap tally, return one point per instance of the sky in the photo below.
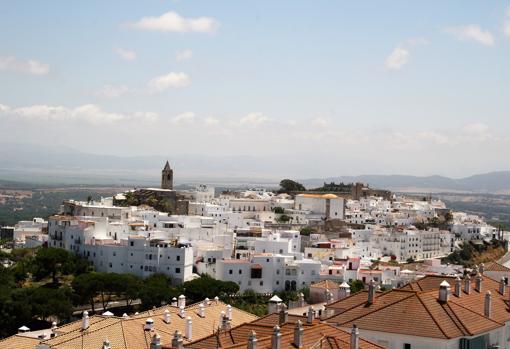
(339, 87)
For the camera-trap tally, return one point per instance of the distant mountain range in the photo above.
(59, 165)
(492, 182)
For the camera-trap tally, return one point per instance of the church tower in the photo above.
(167, 177)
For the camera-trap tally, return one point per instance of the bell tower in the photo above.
(167, 177)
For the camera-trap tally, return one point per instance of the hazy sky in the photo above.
(346, 87)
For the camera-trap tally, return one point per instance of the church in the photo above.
(164, 199)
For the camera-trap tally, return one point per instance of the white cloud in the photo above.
(472, 33)
(173, 22)
(210, 121)
(320, 122)
(171, 80)
(397, 58)
(127, 55)
(113, 91)
(253, 119)
(184, 118)
(183, 55)
(29, 66)
(88, 113)
(506, 25)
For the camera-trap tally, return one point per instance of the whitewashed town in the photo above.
(318, 242)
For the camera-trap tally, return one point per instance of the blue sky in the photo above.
(354, 87)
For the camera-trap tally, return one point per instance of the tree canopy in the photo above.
(288, 185)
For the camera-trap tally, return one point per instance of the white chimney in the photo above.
(328, 296)
(283, 317)
(276, 338)
(207, 301)
(182, 301)
(53, 326)
(371, 292)
(502, 285)
(166, 316)
(482, 268)
(156, 342)
(182, 312)
(106, 344)
(85, 320)
(125, 316)
(23, 329)
(354, 337)
(252, 340)
(488, 304)
(189, 328)
(444, 291)
(458, 286)
(301, 300)
(298, 334)
(201, 310)
(229, 312)
(345, 290)
(478, 283)
(216, 299)
(310, 315)
(177, 342)
(467, 284)
(149, 324)
(222, 319)
(174, 302)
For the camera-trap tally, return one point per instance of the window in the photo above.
(177, 270)
(178, 258)
(131, 243)
(240, 271)
(262, 283)
(230, 271)
(407, 346)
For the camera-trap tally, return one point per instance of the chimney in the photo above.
(225, 323)
(301, 300)
(85, 320)
(444, 291)
(166, 316)
(201, 310)
(182, 312)
(182, 301)
(229, 312)
(467, 284)
(106, 344)
(276, 339)
(156, 342)
(222, 315)
(310, 315)
(284, 315)
(189, 328)
(478, 283)
(481, 268)
(354, 337)
(488, 304)
(216, 299)
(125, 316)
(502, 285)
(298, 334)
(371, 292)
(328, 296)
(174, 302)
(252, 340)
(345, 290)
(149, 324)
(458, 286)
(53, 326)
(207, 301)
(177, 342)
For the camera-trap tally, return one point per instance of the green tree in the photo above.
(279, 210)
(86, 288)
(51, 262)
(47, 302)
(207, 287)
(356, 286)
(155, 290)
(288, 185)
